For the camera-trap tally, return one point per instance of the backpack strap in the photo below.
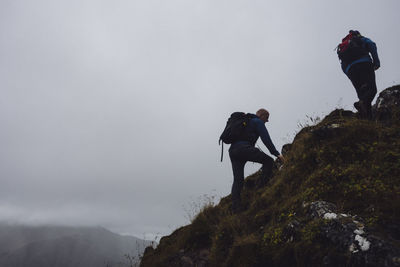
(222, 149)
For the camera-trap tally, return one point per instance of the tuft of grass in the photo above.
(197, 206)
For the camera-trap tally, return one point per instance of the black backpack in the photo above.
(351, 48)
(235, 129)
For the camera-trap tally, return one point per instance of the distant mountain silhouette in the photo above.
(56, 246)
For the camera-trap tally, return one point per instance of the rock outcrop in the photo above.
(387, 105)
(348, 233)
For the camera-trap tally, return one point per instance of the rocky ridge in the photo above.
(335, 202)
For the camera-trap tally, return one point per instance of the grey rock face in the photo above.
(350, 235)
(387, 101)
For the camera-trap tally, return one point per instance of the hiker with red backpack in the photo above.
(242, 132)
(355, 53)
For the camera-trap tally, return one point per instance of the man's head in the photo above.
(263, 114)
(355, 33)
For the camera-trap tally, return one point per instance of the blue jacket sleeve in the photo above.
(264, 135)
(371, 46)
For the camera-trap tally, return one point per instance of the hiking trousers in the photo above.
(239, 155)
(362, 76)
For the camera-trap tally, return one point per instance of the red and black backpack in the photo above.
(352, 47)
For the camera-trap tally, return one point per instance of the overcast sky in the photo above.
(110, 111)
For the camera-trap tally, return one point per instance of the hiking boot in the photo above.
(357, 106)
(264, 178)
(361, 108)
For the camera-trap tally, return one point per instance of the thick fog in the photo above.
(110, 111)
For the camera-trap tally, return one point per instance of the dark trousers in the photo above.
(362, 76)
(240, 154)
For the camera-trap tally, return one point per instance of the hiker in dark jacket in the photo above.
(355, 53)
(242, 151)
